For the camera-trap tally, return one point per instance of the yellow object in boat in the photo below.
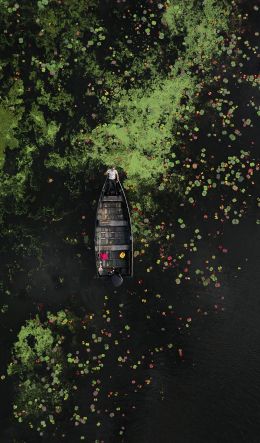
(122, 254)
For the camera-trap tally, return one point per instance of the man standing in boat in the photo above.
(113, 178)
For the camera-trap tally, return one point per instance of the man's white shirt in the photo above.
(112, 173)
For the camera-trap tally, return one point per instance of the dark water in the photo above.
(216, 397)
(212, 395)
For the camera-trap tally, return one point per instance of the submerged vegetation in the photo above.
(153, 87)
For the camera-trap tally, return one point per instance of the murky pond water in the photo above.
(214, 395)
(184, 361)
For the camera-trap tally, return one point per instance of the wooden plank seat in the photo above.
(113, 223)
(115, 263)
(117, 241)
(108, 230)
(112, 198)
(113, 248)
(107, 217)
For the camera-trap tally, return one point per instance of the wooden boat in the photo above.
(113, 235)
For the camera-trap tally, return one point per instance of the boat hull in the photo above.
(113, 235)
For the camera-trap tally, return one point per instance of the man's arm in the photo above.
(117, 176)
(106, 172)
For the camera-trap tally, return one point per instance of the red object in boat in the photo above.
(103, 256)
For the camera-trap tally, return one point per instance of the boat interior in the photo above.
(113, 243)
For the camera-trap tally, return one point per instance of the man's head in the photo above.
(112, 166)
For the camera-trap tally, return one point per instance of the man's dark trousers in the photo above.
(112, 186)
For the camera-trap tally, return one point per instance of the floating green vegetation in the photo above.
(57, 360)
(150, 87)
(76, 97)
(10, 115)
(93, 98)
(40, 392)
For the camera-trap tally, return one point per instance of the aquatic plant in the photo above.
(40, 370)
(114, 109)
